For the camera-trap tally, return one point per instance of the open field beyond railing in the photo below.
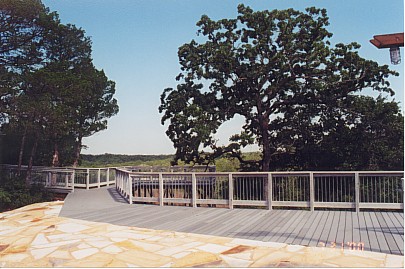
(351, 190)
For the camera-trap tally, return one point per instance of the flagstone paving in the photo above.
(35, 236)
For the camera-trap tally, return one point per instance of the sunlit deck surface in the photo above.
(379, 231)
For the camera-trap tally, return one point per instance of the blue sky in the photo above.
(135, 42)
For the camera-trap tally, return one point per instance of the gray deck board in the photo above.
(311, 230)
(363, 231)
(318, 229)
(335, 216)
(288, 231)
(268, 224)
(393, 247)
(372, 236)
(380, 232)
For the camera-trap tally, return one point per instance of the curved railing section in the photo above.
(355, 190)
(63, 178)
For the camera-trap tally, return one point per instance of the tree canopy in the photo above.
(278, 70)
(51, 94)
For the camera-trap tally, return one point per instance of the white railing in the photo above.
(356, 190)
(67, 178)
(94, 177)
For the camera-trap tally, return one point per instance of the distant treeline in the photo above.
(107, 159)
(113, 160)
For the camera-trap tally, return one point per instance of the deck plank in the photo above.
(382, 242)
(381, 232)
(372, 235)
(335, 218)
(312, 229)
(267, 224)
(385, 228)
(319, 229)
(303, 233)
(282, 229)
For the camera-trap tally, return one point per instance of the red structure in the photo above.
(391, 41)
(388, 41)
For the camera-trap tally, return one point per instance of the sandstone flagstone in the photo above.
(34, 236)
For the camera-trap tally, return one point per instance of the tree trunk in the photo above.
(21, 153)
(77, 152)
(31, 161)
(55, 158)
(264, 126)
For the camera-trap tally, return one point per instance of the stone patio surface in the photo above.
(35, 236)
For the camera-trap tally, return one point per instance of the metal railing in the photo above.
(355, 190)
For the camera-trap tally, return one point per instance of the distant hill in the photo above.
(107, 159)
(114, 160)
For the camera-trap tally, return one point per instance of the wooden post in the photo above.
(194, 190)
(108, 177)
(67, 180)
(130, 188)
(49, 180)
(311, 191)
(230, 187)
(269, 191)
(99, 178)
(161, 189)
(357, 191)
(88, 179)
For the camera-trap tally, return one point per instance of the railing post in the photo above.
(357, 191)
(230, 184)
(88, 179)
(108, 177)
(161, 189)
(269, 191)
(49, 179)
(66, 180)
(311, 191)
(130, 188)
(99, 178)
(194, 190)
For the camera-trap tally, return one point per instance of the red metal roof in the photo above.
(388, 40)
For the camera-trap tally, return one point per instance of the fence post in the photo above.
(269, 191)
(88, 179)
(230, 184)
(108, 177)
(311, 191)
(66, 180)
(194, 190)
(130, 188)
(49, 179)
(99, 178)
(161, 196)
(357, 190)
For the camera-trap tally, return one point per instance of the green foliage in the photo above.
(278, 70)
(14, 193)
(51, 95)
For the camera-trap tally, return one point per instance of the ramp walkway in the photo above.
(377, 231)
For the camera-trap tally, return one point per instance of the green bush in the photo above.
(14, 193)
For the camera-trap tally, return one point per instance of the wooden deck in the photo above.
(379, 231)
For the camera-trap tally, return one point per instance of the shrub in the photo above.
(14, 193)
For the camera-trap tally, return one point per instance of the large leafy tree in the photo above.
(52, 95)
(277, 69)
